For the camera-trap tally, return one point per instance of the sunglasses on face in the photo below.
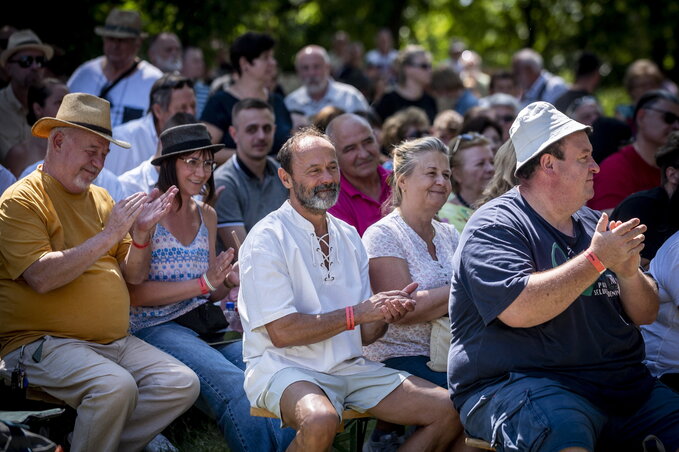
(418, 134)
(177, 84)
(668, 117)
(27, 61)
(424, 66)
(507, 118)
(194, 163)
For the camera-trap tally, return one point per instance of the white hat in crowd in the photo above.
(536, 127)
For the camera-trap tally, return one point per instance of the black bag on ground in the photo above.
(14, 438)
(207, 320)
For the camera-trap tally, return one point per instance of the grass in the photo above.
(196, 432)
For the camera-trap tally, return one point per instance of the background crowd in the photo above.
(409, 202)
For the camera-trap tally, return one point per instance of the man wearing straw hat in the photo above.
(65, 258)
(24, 60)
(546, 299)
(118, 75)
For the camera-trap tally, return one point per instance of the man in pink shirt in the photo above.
(632, 168)
(363, 185)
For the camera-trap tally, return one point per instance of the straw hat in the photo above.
(24, 40)
(81, 111)
(536, 127)
(121, 23)
(184, 139)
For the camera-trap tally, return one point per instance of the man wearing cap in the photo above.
(546, 296)
(65, 259)
(23, 60)
(118, 75)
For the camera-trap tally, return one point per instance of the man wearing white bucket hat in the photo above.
(546, 296)
(65, 258)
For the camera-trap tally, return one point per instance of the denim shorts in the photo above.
(538, 414)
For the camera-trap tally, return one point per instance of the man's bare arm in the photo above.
(304, 329)
(549, 293)
(58, 268)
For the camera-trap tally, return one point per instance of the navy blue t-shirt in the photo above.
(592, 347)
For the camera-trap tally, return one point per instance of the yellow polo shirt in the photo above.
(37, 216)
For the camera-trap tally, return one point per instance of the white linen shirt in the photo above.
(282, 273)
(141, 134)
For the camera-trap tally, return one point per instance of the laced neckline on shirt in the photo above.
(327, 260)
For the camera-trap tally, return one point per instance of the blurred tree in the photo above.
(618, 30)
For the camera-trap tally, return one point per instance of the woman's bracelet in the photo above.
(141, 247)
(207, 283)
(204, 290)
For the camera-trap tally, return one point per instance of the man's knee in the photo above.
(116, 391)
(318, 425)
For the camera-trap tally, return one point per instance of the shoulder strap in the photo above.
(105, 90)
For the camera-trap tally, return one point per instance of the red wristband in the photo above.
(349, 312)
(600, 267)
(141, 247)
(204, 290)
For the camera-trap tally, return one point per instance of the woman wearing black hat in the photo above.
(174, 308)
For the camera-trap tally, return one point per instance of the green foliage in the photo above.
(620, 31)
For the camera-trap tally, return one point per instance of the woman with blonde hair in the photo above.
(504, 178)
(410, 245)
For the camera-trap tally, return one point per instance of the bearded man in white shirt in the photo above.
(307, 309)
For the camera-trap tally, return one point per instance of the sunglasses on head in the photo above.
(668, 117)
(471, 136)
(27, 61)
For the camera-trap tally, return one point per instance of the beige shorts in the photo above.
(359, 392)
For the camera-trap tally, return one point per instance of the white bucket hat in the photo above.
(536, 127)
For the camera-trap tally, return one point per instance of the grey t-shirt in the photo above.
(245, 199)
(592, 347)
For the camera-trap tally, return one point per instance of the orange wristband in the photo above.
(349, 312)
(204, 290)
(600, 267)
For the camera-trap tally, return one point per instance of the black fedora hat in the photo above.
(184, 139)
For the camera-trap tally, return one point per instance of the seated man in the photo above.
(65, 257)
(656, 207)
(546, 296)
(302, 347)
(363, 186)
(633, 168)
(318, 89)
(252, 188)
